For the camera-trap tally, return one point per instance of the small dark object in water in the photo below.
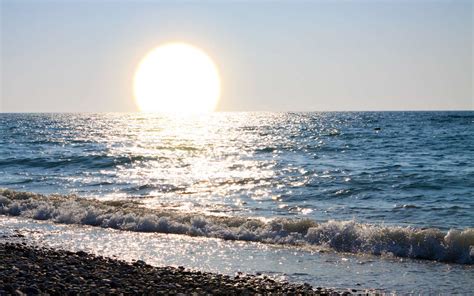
(377, 129)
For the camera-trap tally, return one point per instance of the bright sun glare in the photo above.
(176, 77)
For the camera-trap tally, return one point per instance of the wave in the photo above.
(345, 236)
(96, 161)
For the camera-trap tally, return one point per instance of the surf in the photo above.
(454, 246)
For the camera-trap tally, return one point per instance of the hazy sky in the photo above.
(276, 56)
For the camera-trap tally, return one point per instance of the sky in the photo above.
(80, 56)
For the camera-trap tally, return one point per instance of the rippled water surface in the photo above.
(399, 168)
(285, 194)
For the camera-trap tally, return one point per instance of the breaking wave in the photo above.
(346, 236)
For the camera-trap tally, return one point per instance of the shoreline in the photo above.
(351, 236)
(32, 270)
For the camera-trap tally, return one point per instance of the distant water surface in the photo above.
(396, 168)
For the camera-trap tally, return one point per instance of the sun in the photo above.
(177, 77)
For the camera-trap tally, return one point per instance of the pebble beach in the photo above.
(30, 270)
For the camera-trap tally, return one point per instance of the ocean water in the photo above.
(389, 185)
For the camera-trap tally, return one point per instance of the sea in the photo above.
(376, 201)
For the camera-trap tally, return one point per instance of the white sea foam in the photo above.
(347, 236)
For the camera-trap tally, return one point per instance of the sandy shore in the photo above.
(30, 270)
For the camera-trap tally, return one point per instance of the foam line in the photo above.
(346, 236)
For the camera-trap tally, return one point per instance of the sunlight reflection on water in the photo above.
(228, 257)
(363, 165)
